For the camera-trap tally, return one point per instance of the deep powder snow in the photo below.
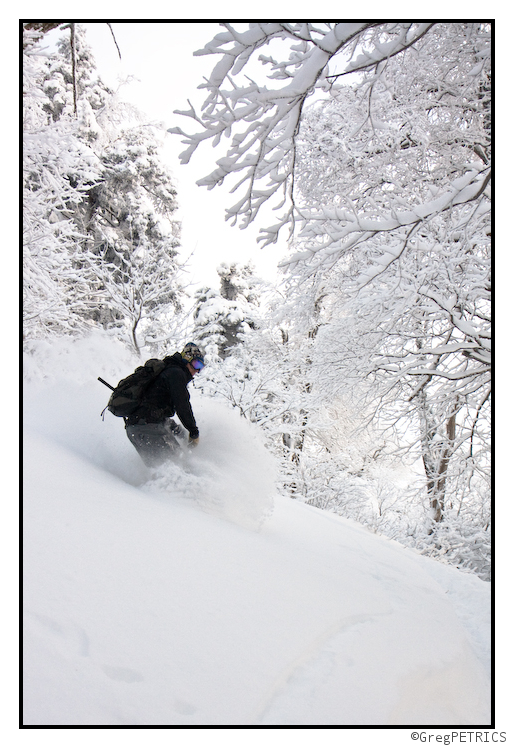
(198, 596)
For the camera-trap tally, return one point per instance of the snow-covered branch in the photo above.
(264, 147)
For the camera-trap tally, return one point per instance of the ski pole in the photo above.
(106, 383)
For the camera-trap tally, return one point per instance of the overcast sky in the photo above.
(160, 56)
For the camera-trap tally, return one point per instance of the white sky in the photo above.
(160, 56)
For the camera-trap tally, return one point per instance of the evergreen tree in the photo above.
(58, 172)
(126, 236)
(222, 318)
(132, 238)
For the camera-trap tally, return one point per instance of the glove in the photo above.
(193, 442)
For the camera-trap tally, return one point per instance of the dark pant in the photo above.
(153, 441)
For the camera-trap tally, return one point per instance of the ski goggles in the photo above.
(198, 365)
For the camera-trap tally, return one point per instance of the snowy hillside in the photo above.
(200, 597)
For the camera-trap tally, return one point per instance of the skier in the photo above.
(150, 428)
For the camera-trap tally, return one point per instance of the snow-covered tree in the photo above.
(131, 235)
(247, 358)
(222, 317)
(423, 298)
(58, 172)
(125, 234)
(386, 188)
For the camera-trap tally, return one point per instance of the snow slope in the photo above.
(200, 597)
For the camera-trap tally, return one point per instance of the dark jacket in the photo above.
(167, 396)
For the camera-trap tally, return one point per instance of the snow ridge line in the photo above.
(308, 654)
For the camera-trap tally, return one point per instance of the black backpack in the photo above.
(129, 393)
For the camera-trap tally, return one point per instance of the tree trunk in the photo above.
(436, 454)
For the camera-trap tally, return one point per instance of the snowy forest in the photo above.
(367, 367)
